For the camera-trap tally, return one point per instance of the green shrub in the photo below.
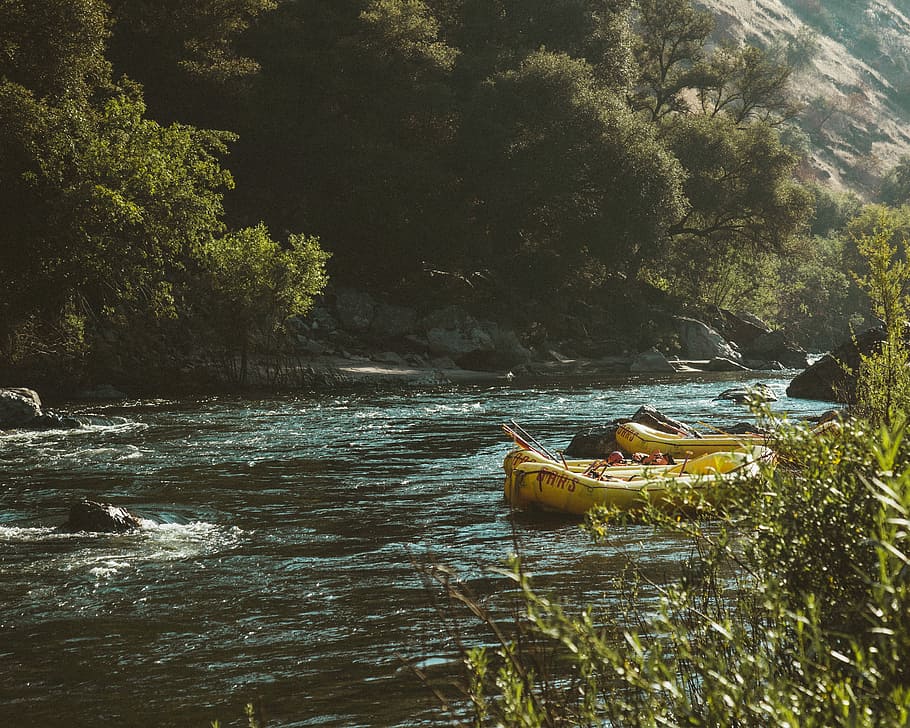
(883, 388)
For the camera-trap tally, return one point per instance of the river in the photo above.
(276, 560)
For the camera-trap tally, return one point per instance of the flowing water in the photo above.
(276, 559)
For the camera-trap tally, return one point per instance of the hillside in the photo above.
(854, 79)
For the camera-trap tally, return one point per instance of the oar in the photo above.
(523, 443)
(524, 433)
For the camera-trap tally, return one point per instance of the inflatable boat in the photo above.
(550, 486)
(634, 437)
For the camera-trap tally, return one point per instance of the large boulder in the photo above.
(776, 346)
(95, 517)
(391, 321)
(742, 328)
(651, 361)
(833, 377)
(655, 419)
(19, 407)
(320, 321)
(355, 309)
(700, 341)
(598, 441)
(452, 332)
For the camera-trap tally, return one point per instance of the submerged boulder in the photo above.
(88, 515)
(20, 408)
(744, 395)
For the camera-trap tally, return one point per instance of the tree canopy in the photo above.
(536, 142)
(104, 212)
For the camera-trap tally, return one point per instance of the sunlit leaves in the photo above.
(744, 203)
(54, 48)
(408, 28)
(671, 43)
(257, 284)
(200, 37)
(883, 388)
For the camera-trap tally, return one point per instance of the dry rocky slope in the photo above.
(856, 87)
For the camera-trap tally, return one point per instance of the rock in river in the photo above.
(88, 515)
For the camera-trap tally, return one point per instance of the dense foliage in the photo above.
(106, 216)
(569, 150)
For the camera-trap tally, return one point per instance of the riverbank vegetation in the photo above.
(792, 606)
(606, 163)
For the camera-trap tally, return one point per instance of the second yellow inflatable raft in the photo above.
(634, 437)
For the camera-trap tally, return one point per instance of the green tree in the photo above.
(883, 386)
(353, 113)
(670, 47)
(743, 200)
(109, 206)
(497, 36)
(258, 284)
(187, 56)
(745, 83)
(895, 185)
(814, 295)
(561, 170)
(54, 48)
(104, 213)
(832, 209)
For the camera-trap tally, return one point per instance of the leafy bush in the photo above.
(883, 389)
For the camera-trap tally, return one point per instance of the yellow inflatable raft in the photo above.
(549, 486)
(634, 437)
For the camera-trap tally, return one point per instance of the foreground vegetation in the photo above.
(793, 608)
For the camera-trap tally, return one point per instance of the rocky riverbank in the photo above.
(352, 325)
(351, 339)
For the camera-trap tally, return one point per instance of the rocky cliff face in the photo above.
(853, 79)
